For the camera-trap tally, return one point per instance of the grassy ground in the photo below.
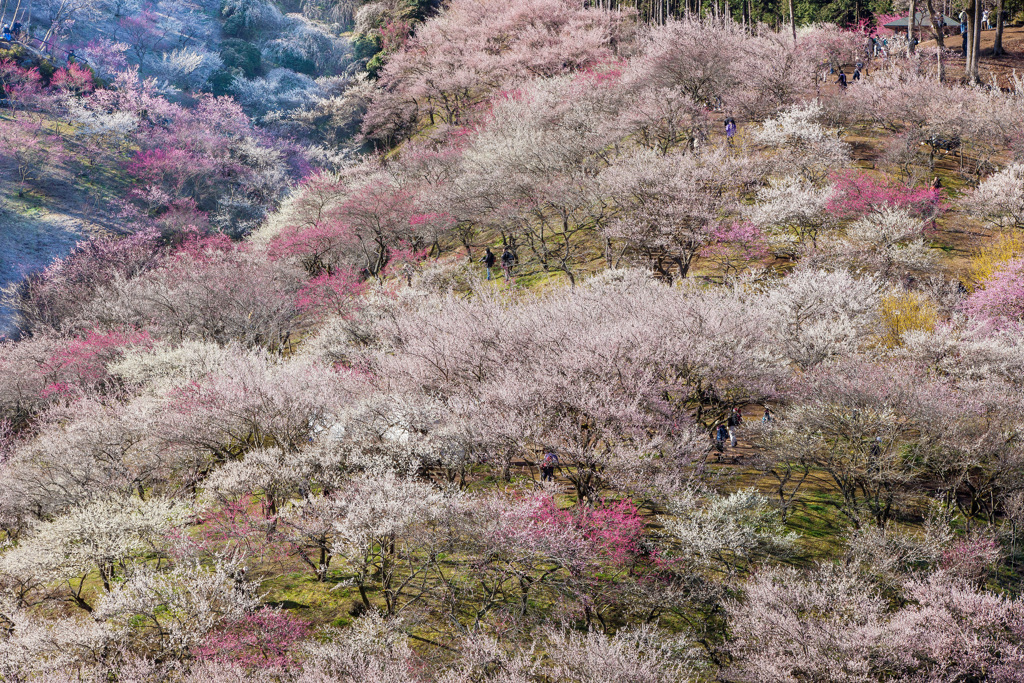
(43, 218)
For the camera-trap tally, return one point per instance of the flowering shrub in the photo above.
(84, 360)
(857, 194)
(336, 294)
(971, 558)
(736, 246)
(1001, 297)
(612, 530)
(264, 639)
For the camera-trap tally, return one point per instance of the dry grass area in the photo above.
(992, 69)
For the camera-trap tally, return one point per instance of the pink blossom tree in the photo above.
(1000, 298)
(857, 194)
(458, 59)
(264, 639)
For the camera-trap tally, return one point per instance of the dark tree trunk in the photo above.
(997, 48)
(973, 32)
(912, 25)
(976, 51)
(938, 23)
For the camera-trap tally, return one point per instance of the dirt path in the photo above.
(30, 242)
(1000, 69)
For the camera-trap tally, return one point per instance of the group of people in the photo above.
(508, 261)
(729, 428)
(989, 19)
(988, 23)
(879, 46)
(12, 31)
(841, 78)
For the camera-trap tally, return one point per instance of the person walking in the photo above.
(721, 434)
(984, 19)
(508, 261)
(856, 73)
(767, 418)
(842, 79)
(730, 129)
(734, 422)
(7, 33)
(489, 260)
(548, 465)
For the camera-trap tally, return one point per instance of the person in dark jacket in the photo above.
(730, 129)
(547, 466)
(734, 422)
(489, 260)
(721, 434)
(508, 260)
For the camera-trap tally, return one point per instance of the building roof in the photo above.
(920, 19)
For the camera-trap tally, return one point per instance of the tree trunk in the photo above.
(971, 62)
(683, 263)
(938, 26)
(365, 597)
(912, 25)
(997, 48)
(975, 47)
(325, 563)
(792, 22)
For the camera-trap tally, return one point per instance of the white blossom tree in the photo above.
(107, 536)
(999, 198)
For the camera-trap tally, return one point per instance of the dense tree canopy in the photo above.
(626, 351)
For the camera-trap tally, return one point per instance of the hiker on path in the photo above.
(842, 79)
(721, 434)
(856, 73)
(489, 260)
(7, 33)
(767, 418)
(547, 466)
(730, 129)
(508, 260)
(734, 422)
